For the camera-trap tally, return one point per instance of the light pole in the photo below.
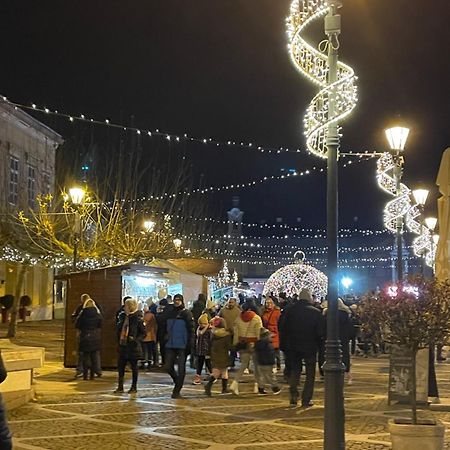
(76, 196)
(177, 244)
(397, 137)
(149, 225)
(334, 423)
(420, 197)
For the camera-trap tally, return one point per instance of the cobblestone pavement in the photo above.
(74, 414)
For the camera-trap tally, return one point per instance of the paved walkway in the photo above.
(74, 414)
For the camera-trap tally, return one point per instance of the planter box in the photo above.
(417, 437)
(20, 362)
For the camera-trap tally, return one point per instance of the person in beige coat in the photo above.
(246, 332)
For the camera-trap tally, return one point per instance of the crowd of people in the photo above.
(264, 335)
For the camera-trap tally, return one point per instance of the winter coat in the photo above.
(220, 346)
(301, 327)
(161, 319)
(89, 322)
(247, 327)
(265, 352)
(180, 329)
(5, 434)
(346, 329)
(197, 309)
(132, 349)
(270, 320)
(230, 315)
(151, 327)
(203, 341)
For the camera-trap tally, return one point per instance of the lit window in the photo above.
(13, 180)
(31, 186)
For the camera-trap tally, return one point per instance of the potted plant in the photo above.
(411, 314)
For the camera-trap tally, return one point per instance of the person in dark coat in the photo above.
(130, 331)
(346, 332)
(197, 310)
(164, 310)
(5, 434)
(301, 328)
(89, 322)
(180, 333)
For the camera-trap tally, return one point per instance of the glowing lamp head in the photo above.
(177, 244)
(436, 239)
(149, 225)
(77, 195)
(346, 282)
(431, 223)
(420, 196)
(397, 137)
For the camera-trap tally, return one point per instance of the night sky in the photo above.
(220, 68)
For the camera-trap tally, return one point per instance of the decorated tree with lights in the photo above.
(414, 314)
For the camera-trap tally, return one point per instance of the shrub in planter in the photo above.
(411, 314)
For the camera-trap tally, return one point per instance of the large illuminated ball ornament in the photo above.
(293, 278)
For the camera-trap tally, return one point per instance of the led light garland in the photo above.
(213, 189)
(173, 137)
(313, 64)
(293, 278)
(311, 232)
(401, 206)
(398, 207)
(423, 244)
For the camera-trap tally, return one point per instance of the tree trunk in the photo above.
(414, 388)
(15, 306)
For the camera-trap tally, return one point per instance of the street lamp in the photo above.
(149, 225)
(431, 223)
(420, 197)
(177, 244)
(76, 196)
(397, 137)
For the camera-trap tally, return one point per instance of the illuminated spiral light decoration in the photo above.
(313, 64)
(401, 206)
(386, 180)
(293, 278)
(423, 244)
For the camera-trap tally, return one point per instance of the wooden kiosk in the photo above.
(107, 286)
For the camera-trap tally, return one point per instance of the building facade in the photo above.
(27, 168)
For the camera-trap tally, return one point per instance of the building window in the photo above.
(31, 186)
(13, 180)
(46, 188)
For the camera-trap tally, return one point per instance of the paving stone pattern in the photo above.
(75, 414)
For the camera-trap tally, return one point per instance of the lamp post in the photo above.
(420, 197)
(149, 225)
(334, 429)
(76, 196)
(397, 137)
(435, 241)
(177, 244)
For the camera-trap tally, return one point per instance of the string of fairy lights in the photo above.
(249, 252)
(170, 136)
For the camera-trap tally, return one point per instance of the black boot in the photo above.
(119, 387)
(225, 389)
(208, 386)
